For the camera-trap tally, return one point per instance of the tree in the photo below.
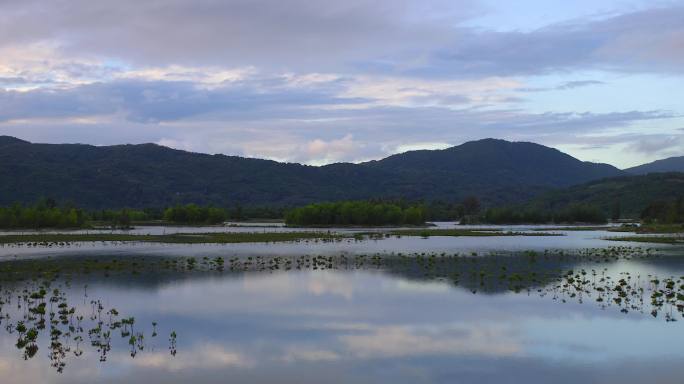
(237, 212)
(616, 212)
(356, 213)
(471, 206)
(124, 219)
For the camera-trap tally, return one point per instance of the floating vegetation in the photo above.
(467, 232)
(70, 239)
(543, 272)
(575, 228)
(650, 239)
(38, 311)
(57, 240)
(650, 228)
(37, 295)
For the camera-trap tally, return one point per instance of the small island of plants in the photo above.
(356, 213)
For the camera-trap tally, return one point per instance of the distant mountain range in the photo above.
(671, 164)
(149, 175)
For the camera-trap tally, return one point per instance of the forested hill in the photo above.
(149, 175)
(493, 163)
(630, 194)
(672, 164)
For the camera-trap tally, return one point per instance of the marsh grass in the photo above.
(573, 228)
(650, 239)
(578, 275)
(40, 296)
(476, 232)
(67, 239)
(63, 239)
(46, 314)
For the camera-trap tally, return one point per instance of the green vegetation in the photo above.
(563, 276)
(574, 213)
(193, 214)
(650, 228)
(664, 212)
(67, 239)
(660, 228)
(650, 239)
(123, 218)
(45, 214)
(477, 232)
(619, 197)
(575, 228)
(64, 239)
(148, 175)
(360, 213)
(49, 316)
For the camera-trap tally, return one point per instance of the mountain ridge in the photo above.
(631, 193)
(139, 175)
(670, 164)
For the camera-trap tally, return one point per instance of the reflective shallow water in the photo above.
(401, 310)
(511, 317)
(265, 227)
(570, 240)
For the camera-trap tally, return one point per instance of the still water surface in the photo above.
(348, 318)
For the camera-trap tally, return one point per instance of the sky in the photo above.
(318, 82)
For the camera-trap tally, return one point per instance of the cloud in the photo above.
(296, 354)
(400, 341)
(313, 121)
(331, 284)
(579, 83)
(333, 150)
(204, 356)
(659, 144)
(287, 34)
(317, 83)
(363, 36)
(157, 101)
(5, 81)
(568, 85)
(643, 41)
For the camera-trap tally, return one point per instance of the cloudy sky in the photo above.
(324, 81)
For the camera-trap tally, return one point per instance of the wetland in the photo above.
(340, 305)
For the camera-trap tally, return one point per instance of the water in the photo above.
(359, 314)
(570, 240)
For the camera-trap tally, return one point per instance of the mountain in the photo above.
(481, 162)
(6, 140)
(151, 175)
(633, 193)
(672, 164)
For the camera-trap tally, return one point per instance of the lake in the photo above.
(572, 308)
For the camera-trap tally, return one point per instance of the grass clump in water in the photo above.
(485, 232)
(66, 239)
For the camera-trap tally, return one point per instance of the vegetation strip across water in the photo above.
(178, 238)
(650, 239)
(39, 299)
(466, 232)
(62, 239)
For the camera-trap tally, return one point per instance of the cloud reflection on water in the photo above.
(363, 326)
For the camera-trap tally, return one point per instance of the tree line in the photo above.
(194, 214)
(47, 213)
(664, 212)
(574, 213)
(356, 213)
(44, 214)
